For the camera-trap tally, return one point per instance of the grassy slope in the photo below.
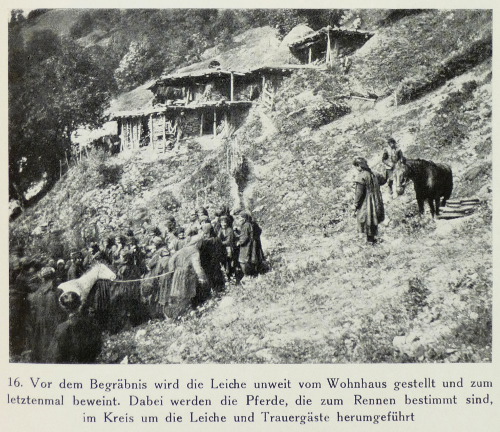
(423, 294)
(425, 290)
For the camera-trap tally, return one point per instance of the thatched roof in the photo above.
(138, 99)
(297, 33)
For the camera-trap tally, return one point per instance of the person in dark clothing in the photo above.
(19, 306)
(228, 239)
(126, 307)
(76, 267)
(258, 253)
(61, 272)
(368, 204)
(46, 315)
(78, 339)
(213, 257)
(246, 244)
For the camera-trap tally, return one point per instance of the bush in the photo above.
(451, 125)
(167, 201)
(326, 113)
(109, 174)
(415, 299)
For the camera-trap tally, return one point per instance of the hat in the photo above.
(391, 140)
(60, 261)
(47, 271)
(361, 162)
(70, 301)
(157, 240)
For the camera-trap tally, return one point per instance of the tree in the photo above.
(58, 89)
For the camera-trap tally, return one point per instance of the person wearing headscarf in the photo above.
(187, 277)
(193, 227)
(213, 257)
(228, 240)
(154, 288)
(76, 267)
(179, 242)
(368, 203)
(61, 272)
(126, 305)
(245, 242)
(258, 253)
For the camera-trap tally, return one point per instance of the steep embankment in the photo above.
(422, 294)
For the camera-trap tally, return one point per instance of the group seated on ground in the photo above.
(163, 277)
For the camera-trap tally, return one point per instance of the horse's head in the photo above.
(401, 176)
(104, 272)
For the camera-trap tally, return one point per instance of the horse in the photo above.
(430, 180)
(84, 283)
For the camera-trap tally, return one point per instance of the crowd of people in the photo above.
(164, 276)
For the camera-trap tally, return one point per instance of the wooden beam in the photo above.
(310, 56)
(163, 131)
(232, 86)
(202, 118)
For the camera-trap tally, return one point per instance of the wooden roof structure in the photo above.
(160, 109)
(201, 76)
(323, 33)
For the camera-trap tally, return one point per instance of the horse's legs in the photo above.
(420, 203)
(437, 206)
(431, 206)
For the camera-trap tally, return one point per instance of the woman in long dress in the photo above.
(368, 204)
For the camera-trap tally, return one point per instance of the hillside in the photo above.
(422, 294)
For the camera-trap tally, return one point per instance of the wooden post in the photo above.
(310, 56)
(202, 118)
(151, 141)
(135, 126)
(226, 123)
(127, 134)
(263, 85)
(232, 86)
(134, 132)
(163, 129)
(215, 122)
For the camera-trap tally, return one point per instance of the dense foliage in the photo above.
(54, 87)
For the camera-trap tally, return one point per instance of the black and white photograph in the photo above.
(250, 186)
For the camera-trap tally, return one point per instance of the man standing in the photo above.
(389, 158)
